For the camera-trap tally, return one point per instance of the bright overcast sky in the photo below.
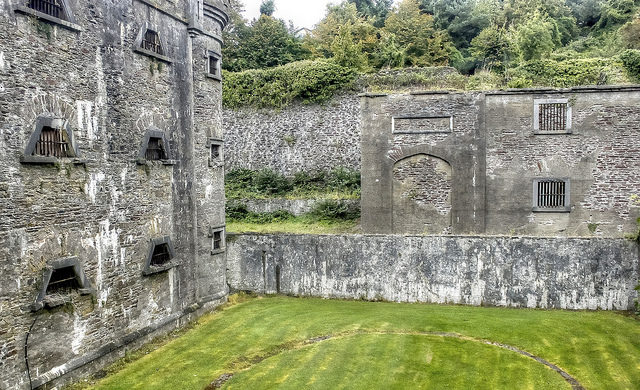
(303, 13)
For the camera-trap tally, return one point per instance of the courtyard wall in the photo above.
(526, 272)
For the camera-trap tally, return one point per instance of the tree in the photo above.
(346, 51)
(458, 18)
(233, 35)
(534, 39)
(491, 47)
(265, 43)
(631, 34)
(616, 12)
(414, 31)
(376, 10)
(343, 27)
(267, 7)
(586, 12)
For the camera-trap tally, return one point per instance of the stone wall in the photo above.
(104, 206)
(319, 136)
(566, 273)
(296, 138)
(497, 155)
(599, 158)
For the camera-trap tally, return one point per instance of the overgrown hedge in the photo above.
(631, 60)
(304, 81)
(266, 183)
(325, 211)
(568, 73)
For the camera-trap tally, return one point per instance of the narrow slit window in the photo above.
(213, 65)
(50, 7)
(63, 280)
(217, 240)
(52, 143)
(155, 149)
(161, 255)
(553, 117)
(151, 42)
(215, 152)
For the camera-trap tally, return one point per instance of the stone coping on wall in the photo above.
(496, 236)
(517, 91)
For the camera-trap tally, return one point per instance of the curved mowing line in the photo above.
(218, 383)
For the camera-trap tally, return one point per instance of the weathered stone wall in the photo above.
(600, 158)
(320, 136)
(496, 155)
(297, 138)
(567, 273)
(103, 207)
(439, 126)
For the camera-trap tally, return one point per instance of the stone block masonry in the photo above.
(497, 147)
(559, 273)
(101, 201)
(297, 138)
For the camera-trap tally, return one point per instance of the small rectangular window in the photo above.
(553, 117)
(215, 152)
(161, 255)
(214, 68)
(217, 240)
(62, 281)
(551, 195)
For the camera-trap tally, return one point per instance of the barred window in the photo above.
(217, 240)
(551, 195)
(50, 7)
(63, 280)
(52, 143)
(151, 42)
(552, 116)
(155, 149)
(161, 256)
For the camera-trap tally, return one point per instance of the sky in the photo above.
(303, 13)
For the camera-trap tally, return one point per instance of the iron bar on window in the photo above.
(151, 42)
(551, 194)
(49, 7)
(51, 143)
(553, 117)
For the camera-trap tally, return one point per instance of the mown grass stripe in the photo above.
(575, 341)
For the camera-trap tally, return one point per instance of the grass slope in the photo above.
(296, 226)
(377, 345)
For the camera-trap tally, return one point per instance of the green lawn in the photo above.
(295, 226)
(304, 343)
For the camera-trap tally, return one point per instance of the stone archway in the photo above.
(422, 195)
